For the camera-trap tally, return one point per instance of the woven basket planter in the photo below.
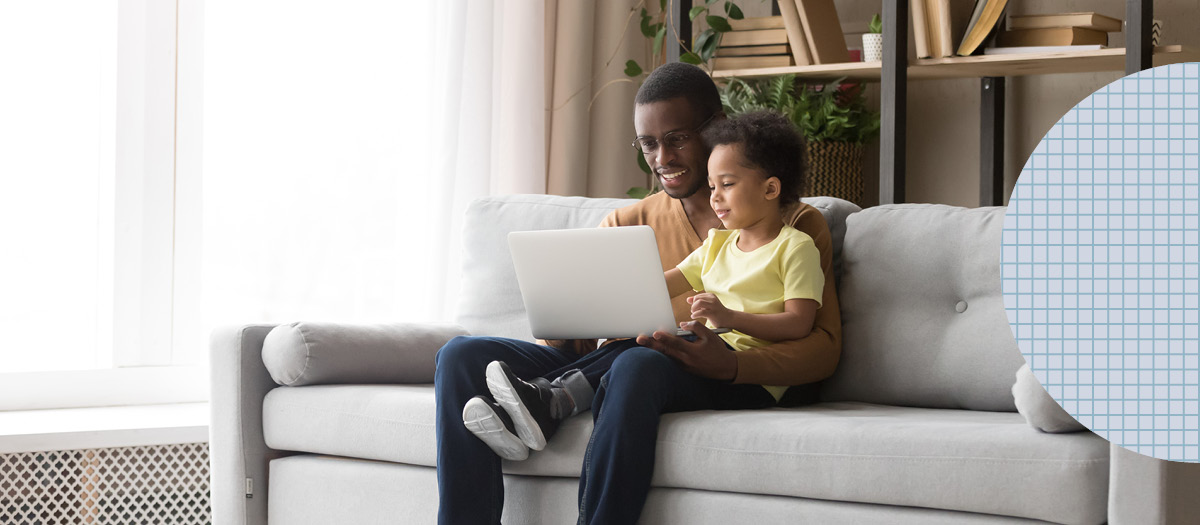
(835, 170)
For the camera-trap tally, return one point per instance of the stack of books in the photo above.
(754, 43)
(1055, 32)
(806, 32)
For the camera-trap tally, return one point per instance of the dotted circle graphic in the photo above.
(1101, 274)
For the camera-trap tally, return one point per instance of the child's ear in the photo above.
(774, 188)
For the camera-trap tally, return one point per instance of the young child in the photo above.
(758, 277)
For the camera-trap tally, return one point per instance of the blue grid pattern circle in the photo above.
(1101, 274)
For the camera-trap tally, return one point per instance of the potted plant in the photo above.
(873, 40)
(833, 117)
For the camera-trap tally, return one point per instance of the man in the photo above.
(632, 385)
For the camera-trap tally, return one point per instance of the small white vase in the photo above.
(872, 47)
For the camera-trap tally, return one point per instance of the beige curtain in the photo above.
(589, 104)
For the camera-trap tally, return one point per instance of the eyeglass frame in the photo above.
(666, 137)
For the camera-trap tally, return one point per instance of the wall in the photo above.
(943, 115)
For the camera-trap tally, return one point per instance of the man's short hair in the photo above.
(771, 143)
(678, 79)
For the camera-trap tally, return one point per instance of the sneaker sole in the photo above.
(504, 394)
(479, 418)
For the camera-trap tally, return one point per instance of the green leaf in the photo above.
(638, 192)
(876, 25)
(632, 69)
(647, 28)
(691, 58)
(641, 161)
(662, 5)
(659, 38)
(733, 11)
(718, 23)
(695, 12)
(709, 47)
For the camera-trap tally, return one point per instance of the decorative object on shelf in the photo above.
(833, 117)
(873, 40)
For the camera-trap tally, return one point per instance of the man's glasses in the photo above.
(673, 140)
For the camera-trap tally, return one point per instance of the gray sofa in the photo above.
(321, 423)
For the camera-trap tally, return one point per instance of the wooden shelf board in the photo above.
(979, 66)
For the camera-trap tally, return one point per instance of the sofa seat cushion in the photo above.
(985, 462)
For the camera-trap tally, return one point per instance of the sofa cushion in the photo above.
(298, 354)
(1041, 411)
(489, 299)
(923, 319)
(986, 462)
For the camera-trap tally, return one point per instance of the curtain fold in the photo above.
(589, 98)
(489, 130)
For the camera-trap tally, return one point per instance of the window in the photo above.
(169, 167)
(87, 205)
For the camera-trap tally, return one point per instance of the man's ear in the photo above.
(774, 188)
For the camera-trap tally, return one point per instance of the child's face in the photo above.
(742, 195)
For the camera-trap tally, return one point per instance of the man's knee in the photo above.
(462, 350)
(639, 365)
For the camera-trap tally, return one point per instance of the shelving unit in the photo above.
(894, 71)
(1015, 65)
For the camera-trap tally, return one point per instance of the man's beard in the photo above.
(688, 191)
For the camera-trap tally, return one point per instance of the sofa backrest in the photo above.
(923, 317)
(490, 300)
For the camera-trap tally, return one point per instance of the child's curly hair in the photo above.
(771, 143)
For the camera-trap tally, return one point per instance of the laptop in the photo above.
(592, 283)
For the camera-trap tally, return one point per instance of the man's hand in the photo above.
(707, 306)
(707, 356)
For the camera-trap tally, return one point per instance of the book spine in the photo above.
(756, 37)
(943, 28)
(795, 33)
(931, 24)
(920, 35)
(728, 63)
(823, 31)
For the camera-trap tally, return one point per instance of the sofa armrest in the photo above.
(238, 455)
(1142, 489)
(298, 354)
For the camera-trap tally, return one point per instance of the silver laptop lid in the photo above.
(592, 282)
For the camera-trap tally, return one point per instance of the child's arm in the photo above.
(795, 322)
(676, 283)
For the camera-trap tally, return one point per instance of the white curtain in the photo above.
(491, 122)
(342, 142)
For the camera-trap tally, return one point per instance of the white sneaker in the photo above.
(491, 424)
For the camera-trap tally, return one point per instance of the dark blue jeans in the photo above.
(642, 385)
(470, 483)
(634, 387)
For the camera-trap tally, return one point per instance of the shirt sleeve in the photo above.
(801, 270)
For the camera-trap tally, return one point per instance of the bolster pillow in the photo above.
(298, 354)
(1041, 411)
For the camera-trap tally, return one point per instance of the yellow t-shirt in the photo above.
(756, 282)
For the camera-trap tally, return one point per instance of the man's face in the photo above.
(680, 165)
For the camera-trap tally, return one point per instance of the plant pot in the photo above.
(835, 170)
(872, 47)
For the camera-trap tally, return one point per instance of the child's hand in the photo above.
(707, 306)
